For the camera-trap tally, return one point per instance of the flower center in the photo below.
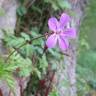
(58, 32)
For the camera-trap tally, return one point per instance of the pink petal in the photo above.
(53, 23)
(64, 19)
(71, 33)
(63, 43)
(51, 41)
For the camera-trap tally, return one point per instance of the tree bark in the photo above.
(7, 22)
(66, 72)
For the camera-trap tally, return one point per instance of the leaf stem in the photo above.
(27, 42)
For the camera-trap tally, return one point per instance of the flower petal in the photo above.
(51, 41)
(63, 43)
(53, 23)
(64, 19)
(71, 33)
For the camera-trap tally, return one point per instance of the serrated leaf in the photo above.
(25, 36)
(21, 11)
(38, 73)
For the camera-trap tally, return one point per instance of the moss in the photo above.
(88, 26)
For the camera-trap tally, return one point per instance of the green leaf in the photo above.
(25, 36)
(21, 11)
(38, 73)
(6, 73)
(64, 4)
(2, 12)
(43, 63)
(59, 4)
(36, 9)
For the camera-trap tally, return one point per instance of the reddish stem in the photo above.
(1, 94)
(28, 42)
(9, 93)
(47, 91)
(21, 88)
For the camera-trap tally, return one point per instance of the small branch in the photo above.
(66, 54)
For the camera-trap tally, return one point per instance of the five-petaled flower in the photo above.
(61, 32)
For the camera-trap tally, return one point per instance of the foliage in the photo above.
(88, 24)
(6, 73)
(61, 4)
(32, 22)
(86, 70)
(30, 59)
(54, 93)
(86, 67)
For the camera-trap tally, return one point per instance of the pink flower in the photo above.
(61, 32)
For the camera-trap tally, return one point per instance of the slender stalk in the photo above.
(27, 42)
(51, 80)
(1, 93)
(9, 93)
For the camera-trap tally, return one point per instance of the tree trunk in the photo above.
(66, 72)
(7, 22)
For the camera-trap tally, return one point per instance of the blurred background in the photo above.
(32, 17)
